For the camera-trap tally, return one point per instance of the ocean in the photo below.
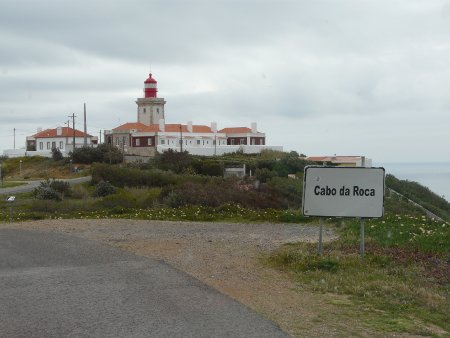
(434, 175)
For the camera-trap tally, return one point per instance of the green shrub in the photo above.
(121, 176)
(52, 190)
(59, 186)
(104, 188)
(264, 174)
(120, 200)
(46, 193)
(102, 153)
(56, 154)
(173, 160)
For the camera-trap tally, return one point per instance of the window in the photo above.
(53, 145)
(138, 142)
(48, 145)
(241, 141)
(41, 145)
(61, 145)
(163, 141)
(232, 141)
(145, 110)
(198, 142)
(157, 110)
(149, 141)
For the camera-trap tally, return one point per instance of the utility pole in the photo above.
(85, 127)
(73, 126)
(67, 137)
(100, 139)
(181, 138)
(14, 138)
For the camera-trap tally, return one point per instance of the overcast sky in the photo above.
(322, 77)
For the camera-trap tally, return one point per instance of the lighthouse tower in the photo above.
(150, 107)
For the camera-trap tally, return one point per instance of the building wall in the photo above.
(62, 142)
(220, 150)
(150, 110)
(257, 140)
(143, 141)
(141, 151)
(237, 140)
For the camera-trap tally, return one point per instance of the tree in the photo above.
(104, 153)
(173, 160)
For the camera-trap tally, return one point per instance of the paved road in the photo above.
(34, 184)
(55, 285)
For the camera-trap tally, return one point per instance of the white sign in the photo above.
(343, 191)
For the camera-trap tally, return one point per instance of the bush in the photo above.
(103, 153)
(217, 193)
(121, 176)
(46, 193)
(208, 167)
(56, 154)
(61, 187)
(52, 190)
(173, 160)
(121, 200)
(104, 188)
(264, 174)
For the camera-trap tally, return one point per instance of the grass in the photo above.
(401, 286)
(37, 167)
(7, 184)
(136, 203)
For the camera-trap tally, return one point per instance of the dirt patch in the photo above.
(228, 257)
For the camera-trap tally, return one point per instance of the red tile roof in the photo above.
(65, 132)
(131, 125)
(175, 128)
(201, 129)
(236, 130)
(171, 128)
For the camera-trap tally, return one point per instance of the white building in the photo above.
(150, 134)
(61, 138)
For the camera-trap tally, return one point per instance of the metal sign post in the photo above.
(320, 236)
(11, 199)
(361, 238)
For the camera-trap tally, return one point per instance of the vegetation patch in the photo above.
(6, 184)
(403, 279)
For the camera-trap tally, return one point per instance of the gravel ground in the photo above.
(226, 256)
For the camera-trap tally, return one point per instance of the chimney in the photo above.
(162, 125)
(214, 127)
(189, 126)
(254, 129)
(58, 131)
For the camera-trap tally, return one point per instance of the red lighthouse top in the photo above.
(150, 87)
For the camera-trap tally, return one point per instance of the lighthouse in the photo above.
(150, 107)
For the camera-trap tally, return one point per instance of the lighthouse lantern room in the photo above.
(150, 107)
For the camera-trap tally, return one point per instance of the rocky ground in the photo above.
(228, 257)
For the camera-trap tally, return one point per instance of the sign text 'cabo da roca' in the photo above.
(343, 191)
